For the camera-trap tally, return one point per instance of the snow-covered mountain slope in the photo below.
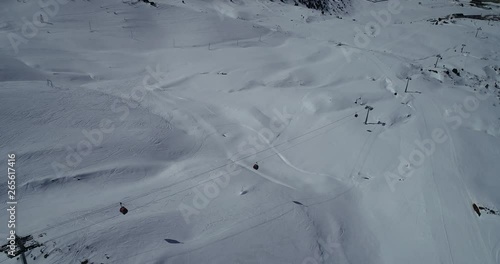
(167, 110)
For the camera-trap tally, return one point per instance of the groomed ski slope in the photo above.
(167, 109)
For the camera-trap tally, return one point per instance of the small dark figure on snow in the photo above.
(123, 210)
(476, 209)
(150, 2)
(255, 166)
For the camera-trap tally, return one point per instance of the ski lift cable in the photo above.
(211, 179)
(359, 155)
(280, 205)
(359, 160)
(110, 207)
(253, 226)
(233, 162)
(294, 145)
(270, 209)
(191, 187)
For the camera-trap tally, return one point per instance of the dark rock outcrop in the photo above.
(326, 6)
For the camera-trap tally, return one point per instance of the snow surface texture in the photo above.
(166, 109)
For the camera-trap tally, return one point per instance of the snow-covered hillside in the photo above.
(167, 109)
